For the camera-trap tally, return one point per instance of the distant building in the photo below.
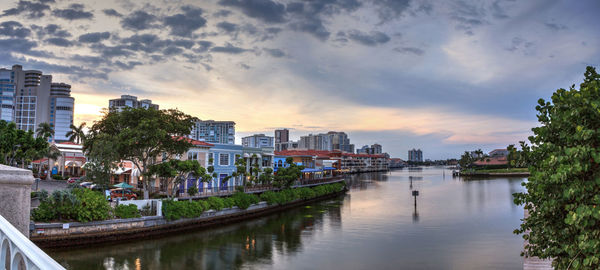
(214, 131)
(363, 150)
(282, 136)
(29, 98)
(258, 140)
(321, 142)
(340, 141)
(376, 149)
(290, 145)
(127, 101)
(415, 155)
(498, 153)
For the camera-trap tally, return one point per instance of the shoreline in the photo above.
(506, 174)
(120, 230)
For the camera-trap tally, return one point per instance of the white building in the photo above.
(213, 131)
(257, 141)
(415, 155)
(128, 101)
(316, 142)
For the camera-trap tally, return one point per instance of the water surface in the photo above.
(456, 224)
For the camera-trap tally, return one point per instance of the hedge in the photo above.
(126, 211)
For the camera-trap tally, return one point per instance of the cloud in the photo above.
(371, 39)
(111, 51)
(522, 45)
(275, 52)
(265, 10)
(14, 29)
(204, 46)
(222, 13)
(227, 27)
(244, 66)
(22, 46)
(61, 42)
(392, 9)
(31, 9)
(314, 27)
(127, 66)
(138, 20)
(467, 16)
(184, 24)
(74, 12)
(112, 12)
(53, 30)
(228, 48)
(94, 37)
(412, 50)
(555, 26)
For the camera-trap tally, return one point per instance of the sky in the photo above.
(442, 76)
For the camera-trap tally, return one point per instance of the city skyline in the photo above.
(442, 77)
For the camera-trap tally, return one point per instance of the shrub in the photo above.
(192, 190)
(93, 205)
(126, 211)
(228, 202)
(215, 203)
(244, 200)
(270, 197)
(305, 193)
(239, 188)
(173, 210)
(44, 213)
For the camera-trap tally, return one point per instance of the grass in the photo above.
(510, 170)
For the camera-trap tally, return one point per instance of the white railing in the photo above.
(18, 252)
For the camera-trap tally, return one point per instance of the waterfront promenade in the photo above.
(535, 263)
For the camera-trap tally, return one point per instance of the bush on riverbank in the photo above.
(288, 195)
(126, 211)
(82, 205)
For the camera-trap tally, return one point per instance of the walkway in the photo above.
(261, 189)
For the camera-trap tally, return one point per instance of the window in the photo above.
(210, 158)
(224, 159)
(192, 155)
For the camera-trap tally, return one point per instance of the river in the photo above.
(456, 224)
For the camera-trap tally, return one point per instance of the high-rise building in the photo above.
(415, 155)
(214, 131)
(340, 141)
(125, 101)
(376, 149)
(316, 142)
(257, 141)
(7, 95)
(36, 99)
(282, 137)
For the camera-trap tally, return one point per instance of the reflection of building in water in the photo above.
(228, 247)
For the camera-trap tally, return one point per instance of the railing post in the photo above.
(15, 196)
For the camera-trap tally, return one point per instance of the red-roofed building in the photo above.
(346, 162)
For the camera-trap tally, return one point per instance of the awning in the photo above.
(329, 168)
(309, 170)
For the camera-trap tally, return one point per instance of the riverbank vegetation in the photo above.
(85, 205)
(173, 210)
(563, 191)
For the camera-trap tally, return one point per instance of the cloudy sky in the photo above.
(443, 76)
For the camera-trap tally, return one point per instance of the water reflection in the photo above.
(379, 224)
(228, 247)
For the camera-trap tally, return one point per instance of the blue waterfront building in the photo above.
(223, 160)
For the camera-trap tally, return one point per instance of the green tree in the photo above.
(266, 177)
(101, 160)
(141, 135)
(18, 147)
(286, 176)
(563, 191)
(76, 133)
(44, 130)
(175, 172)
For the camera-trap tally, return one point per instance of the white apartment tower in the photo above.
(35, 99)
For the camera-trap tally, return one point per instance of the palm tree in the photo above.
(44, 130)
(76, 134)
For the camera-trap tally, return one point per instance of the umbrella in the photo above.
(123, 185)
